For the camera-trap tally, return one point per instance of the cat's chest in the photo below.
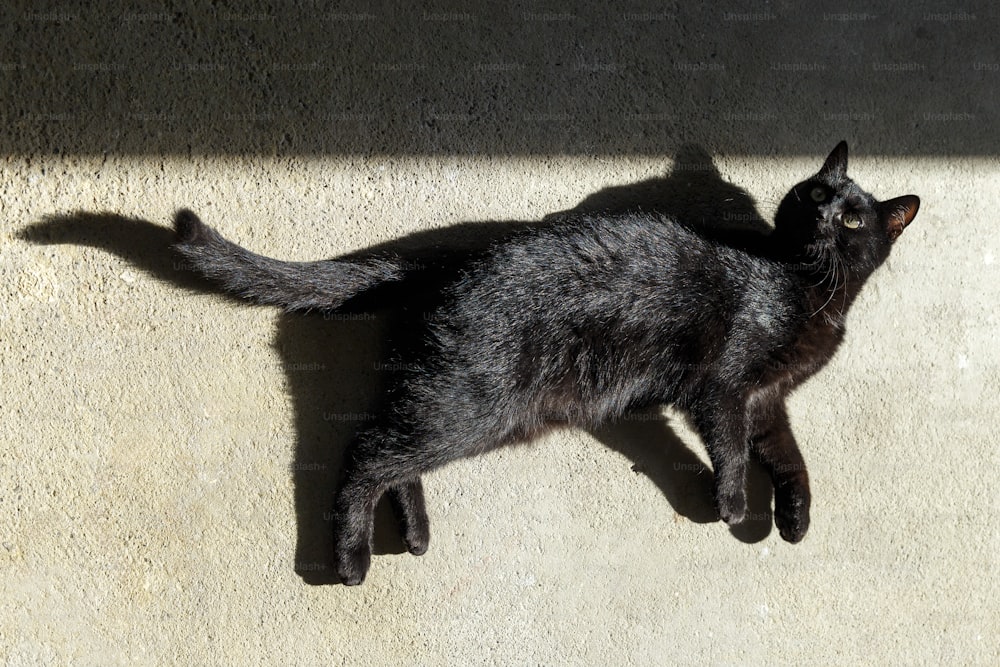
(810, 350)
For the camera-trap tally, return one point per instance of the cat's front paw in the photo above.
(352, 565)
(791, 513)
(732, 507)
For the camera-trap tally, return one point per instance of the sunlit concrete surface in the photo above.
(154, 454)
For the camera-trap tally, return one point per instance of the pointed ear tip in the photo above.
(911, 202)
(836, 161)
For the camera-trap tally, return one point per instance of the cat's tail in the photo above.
(299, 286)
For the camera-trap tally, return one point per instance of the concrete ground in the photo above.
(168, 454)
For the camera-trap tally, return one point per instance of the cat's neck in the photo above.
(829, 294)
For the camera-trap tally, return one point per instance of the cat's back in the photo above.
(596, 249)
(631, 276)
(599, 260)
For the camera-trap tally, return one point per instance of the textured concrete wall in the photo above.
(168, 454)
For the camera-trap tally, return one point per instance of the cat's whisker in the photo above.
(843, 263)
(830, 260)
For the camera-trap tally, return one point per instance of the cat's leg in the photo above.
(354, 517)
(383, 460)
(428, 423)
(370, 469)
(773, 443)
(721, 422)
(408, 502)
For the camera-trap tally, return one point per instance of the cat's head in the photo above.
(828, 216)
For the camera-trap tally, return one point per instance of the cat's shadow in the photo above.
(335, 363)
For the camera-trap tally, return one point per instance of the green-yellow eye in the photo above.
(852, 221)
(818, 194)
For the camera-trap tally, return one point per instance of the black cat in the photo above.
(580, 321)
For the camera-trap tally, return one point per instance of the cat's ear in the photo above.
(835, 166)
(898, 213)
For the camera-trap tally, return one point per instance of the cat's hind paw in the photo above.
(353, 566)
(416, 539)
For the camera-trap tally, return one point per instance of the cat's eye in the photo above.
(818, 194)
(853, 221)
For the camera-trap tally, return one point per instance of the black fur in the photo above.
(583, 320)
(298, 286)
